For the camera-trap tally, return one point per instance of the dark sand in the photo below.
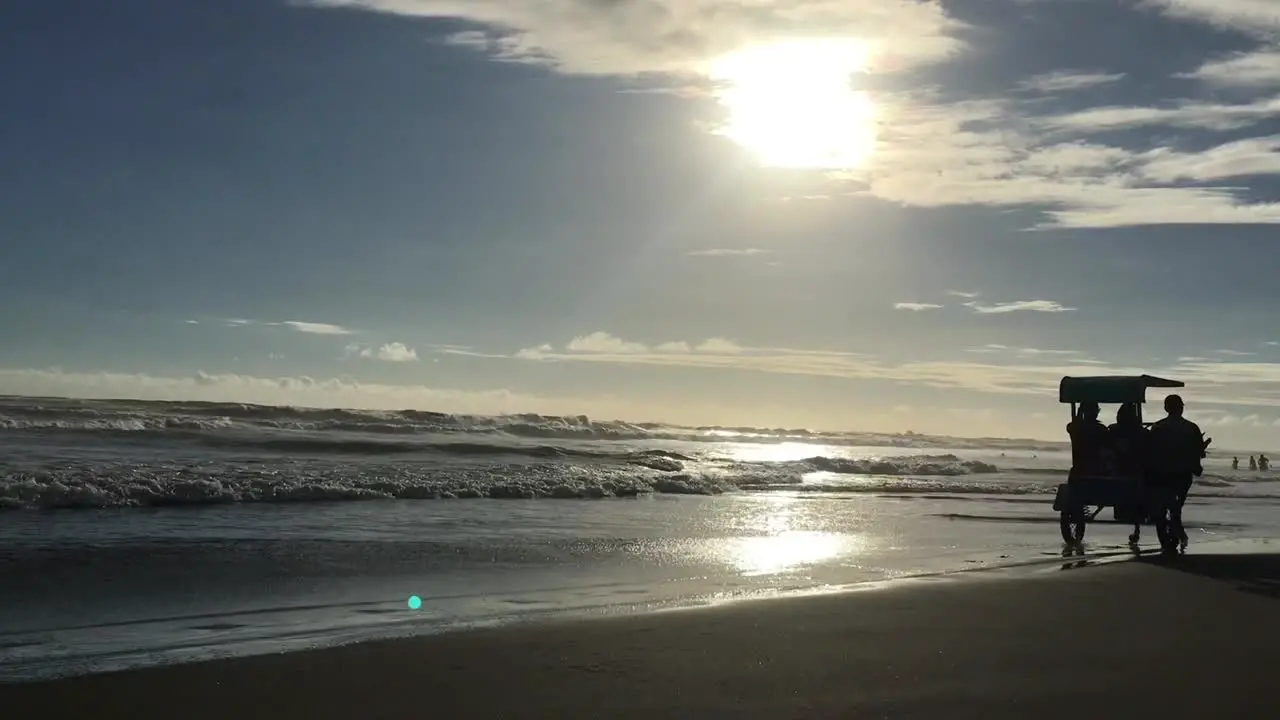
(1126, 640)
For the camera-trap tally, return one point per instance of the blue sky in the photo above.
(882, 215)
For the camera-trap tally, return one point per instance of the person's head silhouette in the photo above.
(1173, 405)
(1089, 411)
(1127, 414)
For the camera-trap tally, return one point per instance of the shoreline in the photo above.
(1186, 638)
(405, 626)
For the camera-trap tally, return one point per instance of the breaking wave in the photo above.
(109, 454)
(188, 420)
(132, 484)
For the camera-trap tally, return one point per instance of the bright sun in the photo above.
(792, 104)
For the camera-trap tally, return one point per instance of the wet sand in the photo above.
(1196, 638)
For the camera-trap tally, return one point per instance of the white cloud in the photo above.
(1025, 352)
(591, 37)
(1190, 114)
(1020, 379)
(1254, 69)
(1065, 160)
(390, 352)
(1211, 385)
(1252, 17)
(1043, 306)
(1252, 156)
(535, 353)
(674, 346)
(315, 328)
(1067, 80)
(963, 294)
(718, 252)
(396, 352)
(986, 152)
(1222, 419)
(915, 306)
(1172, 207)
(1025, 371)
(297, 391)
(311, 328)
(992, 152)
(603, 343)
(1234, 353)
(718, 345)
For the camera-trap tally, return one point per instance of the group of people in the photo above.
(1261, 463)
(1167, 456)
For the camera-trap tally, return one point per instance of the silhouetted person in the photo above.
(1177, 447)
(1253, 464)
(1263, 463)
(1235, 463)
(1128, 441)
(1088, 441)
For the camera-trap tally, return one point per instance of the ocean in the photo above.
(137, 533)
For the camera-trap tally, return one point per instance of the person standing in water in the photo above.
(1264, 463)
(1235, 463)
(1128, 439)
(1178, 446)
(1253, 464)
(1089, 441)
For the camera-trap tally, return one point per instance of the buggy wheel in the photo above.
(1072, 523)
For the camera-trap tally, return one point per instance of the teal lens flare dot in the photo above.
(415, 602)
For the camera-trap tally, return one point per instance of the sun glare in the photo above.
(792, 104)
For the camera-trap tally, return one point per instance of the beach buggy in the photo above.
(1101, 480)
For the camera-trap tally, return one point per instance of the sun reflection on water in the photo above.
(778, 452)
(785, 540)
(785, 551)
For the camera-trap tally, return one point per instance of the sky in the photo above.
(879, 215)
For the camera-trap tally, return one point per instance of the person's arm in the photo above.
(1202, 446)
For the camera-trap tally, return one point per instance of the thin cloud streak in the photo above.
(1032, 371)
(314, 328)
(1067, 80)
(722, 252)
(310, 328)
(1041, 306)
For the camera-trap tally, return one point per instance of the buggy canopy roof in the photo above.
(1111, 389)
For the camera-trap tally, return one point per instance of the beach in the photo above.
(136, 534)
(1196, 637)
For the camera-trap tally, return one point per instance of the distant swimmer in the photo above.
(1235, 463)
(1264, 464)
(1253, 464)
